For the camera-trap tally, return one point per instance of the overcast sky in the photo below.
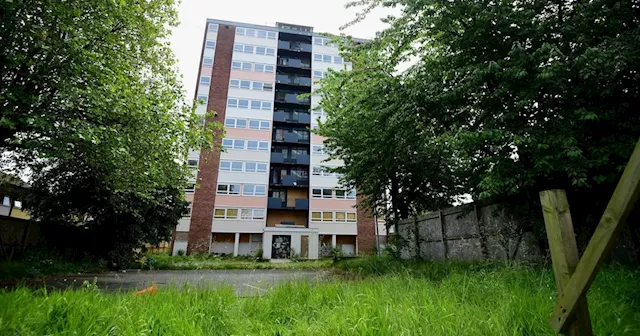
(323, 15)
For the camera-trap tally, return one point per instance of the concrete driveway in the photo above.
(245, 282)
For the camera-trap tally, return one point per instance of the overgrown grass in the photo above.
(39, 264)
(406, 299)
(199, 262)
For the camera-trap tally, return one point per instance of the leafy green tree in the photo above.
(92, 108)
(524, 96)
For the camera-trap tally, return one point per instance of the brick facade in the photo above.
(204, 198)
(366, 229)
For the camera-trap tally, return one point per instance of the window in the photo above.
(261, 51)
(259, 67)
(6, 201)
(192, 163)
(316, 216)
(257, 86)
(262, 34)
(317, 171)
(238, 47)
(341, 194)
(327, 216)
(236, 65)
(351, 217)
(320, 113)
(256, 167)
(316, 193)
(263, 146)
(327, 193)
(210, 44)
(225, 213)
(205, 80)
(236, 166)
(240, 31)
(257, 145)
(326, 58)
(318, 74)
(187, 211)
(250, 32)
(259, 124)
(225, 165)
(317, 57)
(254, 190)
(207, 61)
(268, 68)
(337, 59)
(341, 216)
(235, 123)
(351, 194)
(271, 35)
(317, 149)
(228, 189)
(213, 27)
(190, 188)
(320, 41)
(267, 87)
(252, 214)
(232, 143)
(202, 99)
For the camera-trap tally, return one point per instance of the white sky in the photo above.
(323, 15)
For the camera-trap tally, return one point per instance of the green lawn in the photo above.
(385, 298)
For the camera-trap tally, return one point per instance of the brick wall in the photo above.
(204, 198)
(366, 229)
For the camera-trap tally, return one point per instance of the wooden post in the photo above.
(564, 252)
(603, 240)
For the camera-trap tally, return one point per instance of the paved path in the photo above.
(245, 282)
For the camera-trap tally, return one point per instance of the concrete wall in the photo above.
(467, 232)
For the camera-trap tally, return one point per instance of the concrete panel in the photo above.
(335, 228)
(323, 181)
(232, 226)
(241, 201)
(255, 41)
(240, 133)
(459, 224)
(430, 230)
(222, 248)
(317, 204)
(239, 56)
(246, 155)
(252, 94)
(464, 249)
(179, 245)
(249, 113)
(433, 251)
(242, 177)
(183, 225)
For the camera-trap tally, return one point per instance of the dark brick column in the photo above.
(366, 229)
(205, 195)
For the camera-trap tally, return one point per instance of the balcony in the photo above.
(293, 63)
(290, 137)
(297, 159)
(292, 98)
(293, 80)
(292, 117)
(294, 46)
(289, 181)
(288, 204)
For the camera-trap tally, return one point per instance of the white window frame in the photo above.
(208, 81)
(210, 44)
(205, 61)
(318, 74)
(213, 27)
(226, 213)
(203, 98)
(228, 191)
(254, 190)
(317, 149)
(190, 188)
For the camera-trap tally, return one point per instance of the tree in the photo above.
(93, 110)
(525, 96)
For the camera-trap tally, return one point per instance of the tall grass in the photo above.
(453, 300)
(206, 261)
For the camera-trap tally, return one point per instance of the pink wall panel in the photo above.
(188, 197)
(258, 76)
(248, 134)
(316, 139)
(206, 71)
(241, 201)
(331, 204)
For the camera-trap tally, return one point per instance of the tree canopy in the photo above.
(93, 109)
(501, 99)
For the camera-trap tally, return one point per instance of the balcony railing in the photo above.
(292, 117)
(293, 80)
(293, 63)
(290, 137)
(292, 98)
(297, 159)
(288, 204)
(289, 181)
(294, 46)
